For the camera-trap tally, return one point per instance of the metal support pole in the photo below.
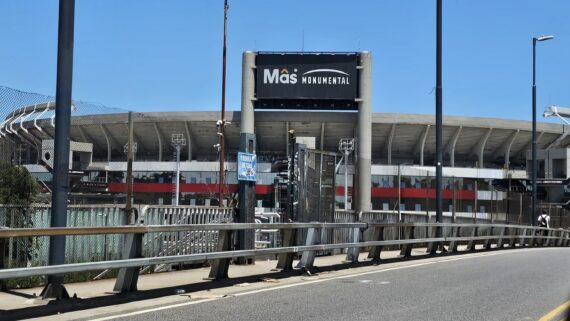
(222, 123)
(533, 222)
(130, 152)
(54, 287)
(346, 153)
(177, 199)
(438, 124)
(128, 277)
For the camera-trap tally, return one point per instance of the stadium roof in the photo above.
(396, 138)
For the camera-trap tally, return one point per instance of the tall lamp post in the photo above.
(534, 40)
(346, 145)
(178, 141)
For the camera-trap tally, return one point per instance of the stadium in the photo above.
(485, 160)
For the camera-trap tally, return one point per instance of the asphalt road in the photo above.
(502, 285)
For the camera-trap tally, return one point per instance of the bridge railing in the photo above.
(499, 235)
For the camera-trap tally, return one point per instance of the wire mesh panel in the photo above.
(188, 242)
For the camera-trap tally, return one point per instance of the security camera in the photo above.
(216, 146)
(219, 123)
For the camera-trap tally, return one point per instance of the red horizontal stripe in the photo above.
(184, 188)
(268, 189)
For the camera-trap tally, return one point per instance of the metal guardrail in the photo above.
(500, 234)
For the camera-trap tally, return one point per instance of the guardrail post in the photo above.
(488, 242)
(472, 243)
(285, 261)
(500, 241)
(308, 257)
(522, 240)
(560, 238)
(512, 239)
(567, 239)
(378, 235)
(407, 248)
(219, 269)
(432, 232)
(456, 232)
(353, 252)
(128, 277)
(548, 235)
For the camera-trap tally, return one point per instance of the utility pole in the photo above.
(130, 152)
(438, 124)
(54, 288)
(222, 121)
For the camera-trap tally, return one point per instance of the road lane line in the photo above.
(556, 312)
(466, 257)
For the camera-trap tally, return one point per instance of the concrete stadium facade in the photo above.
(479, 153)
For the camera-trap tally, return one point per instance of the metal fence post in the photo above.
(500, 241)
(560, 238)
(353, 252)
(488, 242)
(474, 233)
(219, 269)
(453, 244)
(378, 235)
(308, 257)
(548, 235)
(285, 261)
(407, 248)
(432, 246)
(128, 277)
(512, 239)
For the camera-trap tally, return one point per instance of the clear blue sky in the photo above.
(154, 55)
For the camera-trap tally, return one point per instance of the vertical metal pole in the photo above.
(363, 181)
(399, 202)
(438, 124)
(54, 287)
(177, 199)
(533, 131)
(475, 203)
(454, 201)
(399, 195)
(130, 153)
(223, 115)
(346, 180)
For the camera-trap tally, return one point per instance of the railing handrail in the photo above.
(144, 229)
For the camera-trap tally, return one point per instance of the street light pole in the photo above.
(534, 40)
(178, 140)
(438, 124)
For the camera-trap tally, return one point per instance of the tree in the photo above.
(18, 189)
(17, 186)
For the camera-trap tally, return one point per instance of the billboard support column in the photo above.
(363, 181)
(246, 238)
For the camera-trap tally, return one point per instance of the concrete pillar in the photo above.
(363, 177)
(247, 201)
(247, 92)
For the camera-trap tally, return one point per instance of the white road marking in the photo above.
(466, 257)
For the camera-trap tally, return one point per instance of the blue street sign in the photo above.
(247, 167)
